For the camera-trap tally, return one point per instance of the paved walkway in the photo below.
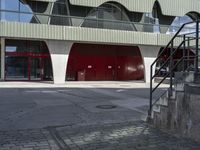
(76, 116)
(79, 84)
(135, 135)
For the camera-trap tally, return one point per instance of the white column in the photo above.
(2, 59)
(149, 54)
(59, 51)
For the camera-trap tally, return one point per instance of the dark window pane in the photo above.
(57, 20)
(39, 7)
(16, 68)
(59, 9)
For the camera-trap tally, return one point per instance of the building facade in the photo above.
(87, 40)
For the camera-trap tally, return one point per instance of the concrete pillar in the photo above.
(149, 54)
(2, 59)
(59, 51)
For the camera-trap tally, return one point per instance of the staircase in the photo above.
(159, 108)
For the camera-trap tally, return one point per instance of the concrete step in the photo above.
(156, 108)
(163, 103)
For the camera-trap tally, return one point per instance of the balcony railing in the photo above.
(39, 18)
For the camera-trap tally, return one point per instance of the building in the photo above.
(63, 40)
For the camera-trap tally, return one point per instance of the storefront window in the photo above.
(27, 60)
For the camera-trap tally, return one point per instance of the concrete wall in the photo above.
(91, 35)
(149, 54)
(59, 51)
(180, 113)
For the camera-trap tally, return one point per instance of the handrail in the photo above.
(179, 61)
(170, 42)
(168, 59)
(173, 66)
(188, 33)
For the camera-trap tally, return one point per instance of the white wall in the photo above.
(2, 59)
(59, 51)
(149, 54)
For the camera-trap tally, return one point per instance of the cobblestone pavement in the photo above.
(34, 139)
(120, 136)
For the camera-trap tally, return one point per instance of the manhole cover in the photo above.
(106, 106)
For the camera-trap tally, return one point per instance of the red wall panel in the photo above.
(105, 62)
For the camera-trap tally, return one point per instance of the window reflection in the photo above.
(107, 16)
(14, 10)
(24, 8)
(9, 16)
(10, 5)
(26, 18)
(178, 22)
(60, 8)
(102, 16)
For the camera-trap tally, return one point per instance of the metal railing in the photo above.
(185, 45)
(27, 17)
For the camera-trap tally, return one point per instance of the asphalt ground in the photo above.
(80, 115)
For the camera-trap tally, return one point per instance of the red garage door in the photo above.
(91, 62)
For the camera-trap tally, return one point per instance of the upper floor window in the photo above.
(108, 16)
(178, 22)
(16, 10)
(9, 5)
(60, 14)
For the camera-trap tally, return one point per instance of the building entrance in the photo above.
(30, 66)
(27, 64)
(93, 62)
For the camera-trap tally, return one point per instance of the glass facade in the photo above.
(179, 21)
(107, 16)
(14, 10)
(27, 60)
(60, 12)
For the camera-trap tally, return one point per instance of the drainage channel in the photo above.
(58, 139)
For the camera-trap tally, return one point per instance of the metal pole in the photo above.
(197, 47)
(171, 66)
(188, 53)
(151, 84)
(184, 38)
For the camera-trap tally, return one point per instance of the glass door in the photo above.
(16, 68)
(47, 70)
(36, 69)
